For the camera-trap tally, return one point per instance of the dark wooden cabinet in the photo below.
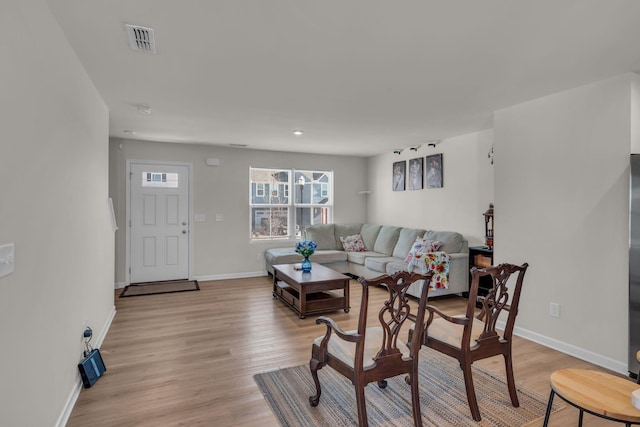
(481, 256)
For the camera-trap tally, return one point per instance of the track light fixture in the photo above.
(397, 151)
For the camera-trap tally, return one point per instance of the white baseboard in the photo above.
(120, 285)
(77, 387)
(231, 276)
(571, 350)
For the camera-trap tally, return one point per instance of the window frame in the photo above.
(318, 188)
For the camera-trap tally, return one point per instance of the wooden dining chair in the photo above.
(378, 352)
(471, 337)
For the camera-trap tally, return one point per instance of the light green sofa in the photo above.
(387, 247)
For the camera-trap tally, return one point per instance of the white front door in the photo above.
(159, 214)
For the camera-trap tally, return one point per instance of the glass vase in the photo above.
(306, 265)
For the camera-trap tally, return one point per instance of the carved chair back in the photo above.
(393, 314)
(502, 296)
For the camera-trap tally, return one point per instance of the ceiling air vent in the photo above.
(141, 38)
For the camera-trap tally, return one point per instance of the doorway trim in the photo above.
(127, 251)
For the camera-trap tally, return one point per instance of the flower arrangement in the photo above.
(306, 248)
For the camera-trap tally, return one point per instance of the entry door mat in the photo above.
(166, 287)
(442, 395)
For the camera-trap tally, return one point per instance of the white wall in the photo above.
(562, 199)
(223, 249)
(561, 194)
(635, 123)
(457, 206)
(560, 184)
(53, 206)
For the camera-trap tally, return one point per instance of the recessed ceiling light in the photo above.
(144, 109)
(129, 132)
(297, 132)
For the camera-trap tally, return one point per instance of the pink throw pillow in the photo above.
(353, 243)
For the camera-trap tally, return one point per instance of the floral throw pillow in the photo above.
(422, 246)
(353, 243)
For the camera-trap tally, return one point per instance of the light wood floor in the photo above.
(189, 358)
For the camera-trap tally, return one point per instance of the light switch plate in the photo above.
(200, 217)
(6, 259)
(219, 217)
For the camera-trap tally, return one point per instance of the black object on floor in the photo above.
(151, 288)
(91, 368)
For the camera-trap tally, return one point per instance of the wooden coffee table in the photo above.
(319, 291)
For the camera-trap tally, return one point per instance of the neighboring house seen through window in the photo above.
(284, 201)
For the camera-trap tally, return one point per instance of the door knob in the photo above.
(184, 231)
(184, 222)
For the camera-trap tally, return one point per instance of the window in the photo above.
(283, 202)
(160, 179)
(312, 199)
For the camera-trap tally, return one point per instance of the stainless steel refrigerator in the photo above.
(634, 266)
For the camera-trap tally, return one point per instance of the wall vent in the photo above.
(141, 38)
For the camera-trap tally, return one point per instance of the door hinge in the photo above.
(129, 270)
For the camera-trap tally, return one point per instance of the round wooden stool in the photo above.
(597, 393)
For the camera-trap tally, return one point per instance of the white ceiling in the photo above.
(360, 77)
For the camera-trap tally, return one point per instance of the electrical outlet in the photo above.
(554, 309)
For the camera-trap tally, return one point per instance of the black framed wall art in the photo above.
(399, 172)
(416, 173)
(434, 171)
